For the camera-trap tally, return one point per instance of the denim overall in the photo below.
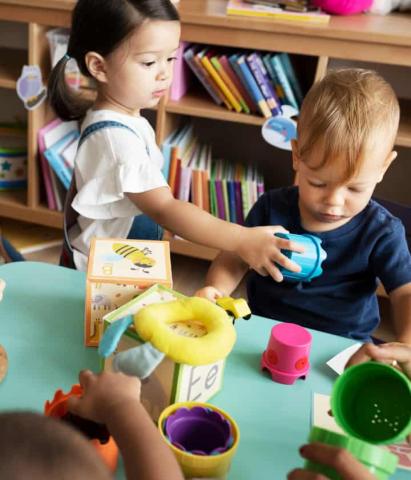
(142, 228)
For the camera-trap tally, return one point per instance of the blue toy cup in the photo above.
(310, 260)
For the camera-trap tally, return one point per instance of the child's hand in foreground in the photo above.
(210, 293)
(104, 394)
(261, 250)
(393, 353)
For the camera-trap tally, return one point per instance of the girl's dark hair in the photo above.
(99, 26)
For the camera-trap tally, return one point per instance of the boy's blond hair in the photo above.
(344, 113)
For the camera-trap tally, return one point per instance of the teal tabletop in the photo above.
(41, 328)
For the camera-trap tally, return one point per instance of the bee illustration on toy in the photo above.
(139, 258)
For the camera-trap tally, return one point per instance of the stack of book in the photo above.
(57, 142)
(243, 81)
(289, 10)
(226, 190)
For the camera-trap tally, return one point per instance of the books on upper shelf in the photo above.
(224, 189)
(243, 8)
(28, 237)
(246, 81)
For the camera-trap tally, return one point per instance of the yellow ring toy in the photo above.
(193, 330)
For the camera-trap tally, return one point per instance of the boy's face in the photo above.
(325, 202)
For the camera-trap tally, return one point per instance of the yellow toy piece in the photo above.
(237, 307)
(192, 330)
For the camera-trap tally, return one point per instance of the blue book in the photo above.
(233, 62)
(253, 87)
(289, 71)
(166, 147)
(56, 161)
(284, 81)
(260, 74)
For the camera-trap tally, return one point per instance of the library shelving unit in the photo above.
(364, 38)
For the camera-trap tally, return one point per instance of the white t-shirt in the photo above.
(110, 162)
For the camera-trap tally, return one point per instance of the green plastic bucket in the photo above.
(379, 461)
(372, 402)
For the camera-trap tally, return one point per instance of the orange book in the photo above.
(197, 59)
(205, 189)
(173, 169)
(196, 189)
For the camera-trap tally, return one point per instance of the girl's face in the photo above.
(139, 72)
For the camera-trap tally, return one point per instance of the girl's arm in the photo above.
(257, 246)
(223, 276)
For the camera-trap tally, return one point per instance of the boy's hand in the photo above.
(261, 250)
(210, 293)
(337, 458)
(393, 353)
(104, 394)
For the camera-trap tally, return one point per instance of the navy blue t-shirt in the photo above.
(342, 300)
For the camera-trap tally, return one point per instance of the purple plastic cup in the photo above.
(198, 430)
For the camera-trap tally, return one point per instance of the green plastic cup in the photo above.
(379, 461)
(372, 402)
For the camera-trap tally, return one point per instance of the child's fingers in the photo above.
(273, 271)
(86, 377)
(300, 474)
(287, 263)
(284, 244)
(360, 356)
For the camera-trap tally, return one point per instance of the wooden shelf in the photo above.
(404, 132)
(198, 104)
(13, 204)
(12, 61)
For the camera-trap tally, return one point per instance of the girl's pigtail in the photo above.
(67, 102)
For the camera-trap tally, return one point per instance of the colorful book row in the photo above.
(242, 81)
(226, 190)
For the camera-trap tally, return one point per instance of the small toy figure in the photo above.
(236, 307)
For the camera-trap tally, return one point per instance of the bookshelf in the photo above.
(379, 39)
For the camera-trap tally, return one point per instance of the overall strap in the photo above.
(94, 127)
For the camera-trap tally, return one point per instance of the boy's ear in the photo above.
(296, 158)
(96, 66)
(390, 158)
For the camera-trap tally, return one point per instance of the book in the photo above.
(290, 98)
(242, 8)
(256, 66)
(226, 78)
(253, 86)
(202, 75)
(53, 156)
(181, 75)
(292, 77)
(198, 59)
(219, 81)
(228, 68)
(278, 88)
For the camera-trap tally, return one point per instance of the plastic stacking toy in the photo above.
(310, 260)
(287, 353)
(199, 430)
(372, 401)
(203, 438)
(378, 460)
(97, 433)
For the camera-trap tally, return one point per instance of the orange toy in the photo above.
(106, 447)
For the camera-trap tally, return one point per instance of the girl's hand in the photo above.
(210, 293)
(261, 250)
(103, 394)
(337, 458)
